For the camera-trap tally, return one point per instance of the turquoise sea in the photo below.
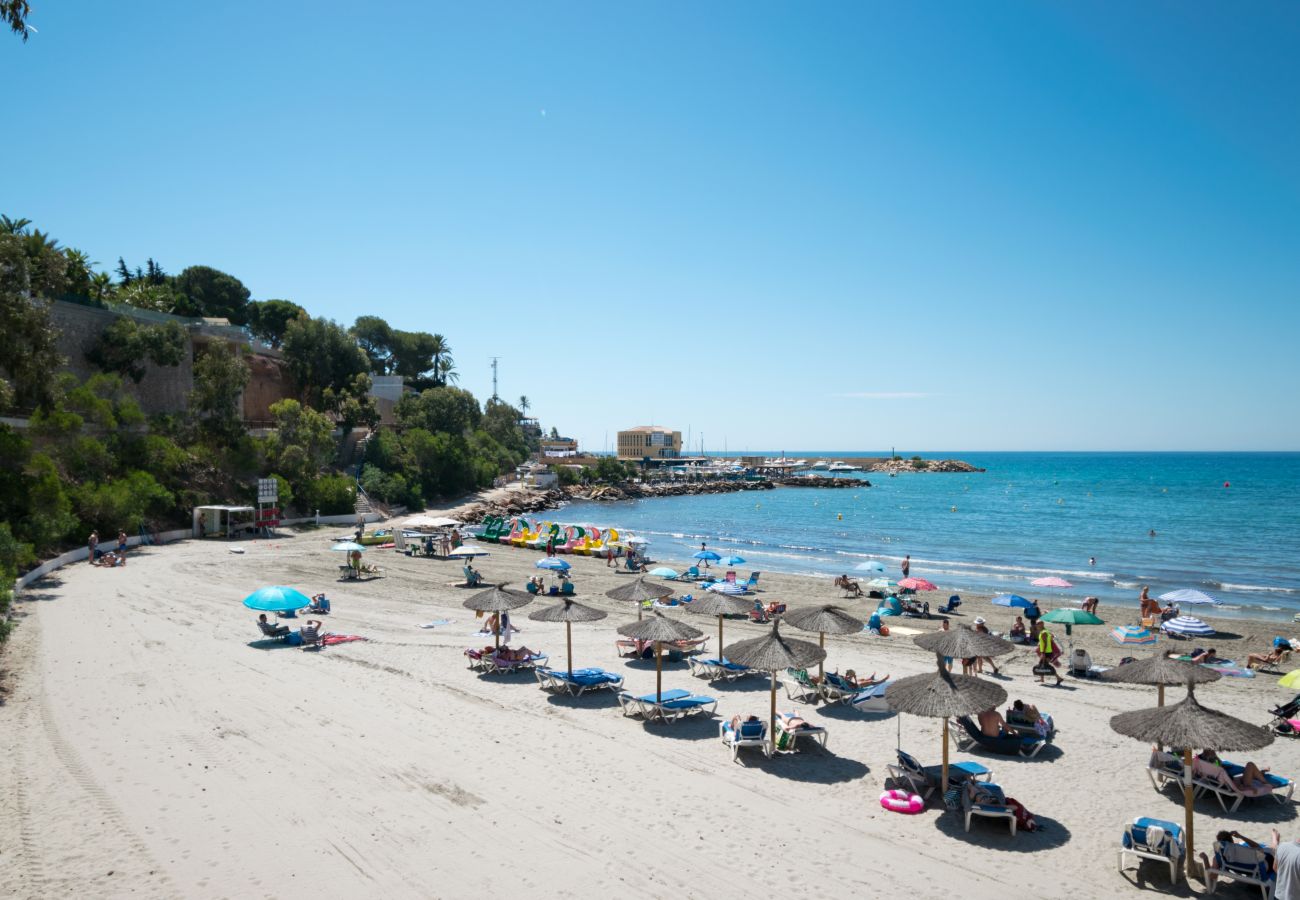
(1028, 515)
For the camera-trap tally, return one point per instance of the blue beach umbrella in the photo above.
(733, 560)
(1188, 626)
(870, 565)
(348, 547)
(276, 599)
(553, 563)
(707, 554)
(1014, 600)
(663, 572)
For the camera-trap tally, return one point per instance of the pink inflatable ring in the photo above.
(902, 801)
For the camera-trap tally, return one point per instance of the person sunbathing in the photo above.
(846, 583)
(520, 654)
(1207, 762)
(1203, 656)
(793, 722)
(318, 604)
(736, 722)
(1017, 632)
(993, 725)
(1233, 837)
(1273, 657)
(1025, 712)
(870, 681)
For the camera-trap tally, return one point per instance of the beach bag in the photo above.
(784, 740)
(1044, 669)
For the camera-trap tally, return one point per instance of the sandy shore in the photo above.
(155, 747)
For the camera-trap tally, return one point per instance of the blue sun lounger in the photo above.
(717, 669)
(1153, 839)
(1026, 745)
(581, 681)
(668, 706)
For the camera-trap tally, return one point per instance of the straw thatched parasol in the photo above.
(719, 605)
(825, 619)
(1187, 724)
(774, 653)
(1160, 670)
(568, 612)
(497, 600)
(659, 628)
(942, 694)
(963, 643)
(640, 591)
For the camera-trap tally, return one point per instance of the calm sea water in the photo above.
(1029, 515)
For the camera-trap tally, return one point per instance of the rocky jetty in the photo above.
(631, 490)
(916, 464)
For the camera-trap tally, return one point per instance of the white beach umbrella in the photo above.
(1188, 597)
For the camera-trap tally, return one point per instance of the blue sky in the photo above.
(840, 226)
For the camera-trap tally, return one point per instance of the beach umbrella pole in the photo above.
(1160, 695)
(1187, 806)
(821, 669)
(943, 788)
(568, 644)
(719, 637)
(772, 722)
(659, 673)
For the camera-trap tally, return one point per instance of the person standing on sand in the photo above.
(121, 543)
(907, 565)
(93, 543)
(1286, 865)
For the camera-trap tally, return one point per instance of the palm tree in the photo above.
(101, 285)
(523, 406)
(441, 351)
(446, 372)
(13, 226)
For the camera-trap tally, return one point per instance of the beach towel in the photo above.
(435, 623)
(330, 639)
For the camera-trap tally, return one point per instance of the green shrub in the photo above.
(333, 495)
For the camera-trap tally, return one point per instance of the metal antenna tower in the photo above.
(494, 378)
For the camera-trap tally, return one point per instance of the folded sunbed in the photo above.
(669, 706)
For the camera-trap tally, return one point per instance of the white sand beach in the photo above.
(154, 746)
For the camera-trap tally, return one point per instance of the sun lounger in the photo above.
(279, 632)
(581, 681)
(924, 779)
(836, 689)
(799, 687)
(637, 649)
(1218, 780)
(987, 800)
(717, 669)
(748, 734)
(1243, 863)
(1153, 839)
(1030, 726)
(787, 735)
(968, 735)
(871, 700)
(495, 665)
(669, 706)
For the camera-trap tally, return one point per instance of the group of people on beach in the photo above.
(107, 558)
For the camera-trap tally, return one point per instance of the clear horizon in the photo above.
(1043, 228)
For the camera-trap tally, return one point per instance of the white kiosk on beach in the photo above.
(222, 521)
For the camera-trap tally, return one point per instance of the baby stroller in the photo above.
(1286, 718)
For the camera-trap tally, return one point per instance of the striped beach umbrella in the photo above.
(1132, 634)
(1189, 597)
(726, 587)
(1188, 626)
